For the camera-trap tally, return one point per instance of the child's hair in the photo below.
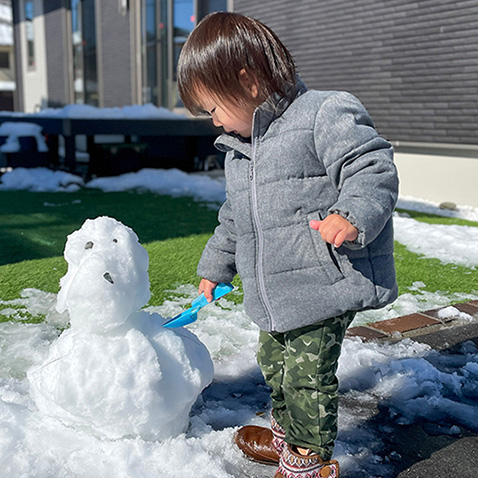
(225, 49)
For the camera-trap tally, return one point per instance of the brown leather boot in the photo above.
(256, 443)
(295, 465)
(262, 445)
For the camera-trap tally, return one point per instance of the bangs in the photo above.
(221, 47)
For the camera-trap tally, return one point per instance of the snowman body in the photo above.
(117, 371)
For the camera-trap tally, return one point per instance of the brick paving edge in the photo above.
(397, 328)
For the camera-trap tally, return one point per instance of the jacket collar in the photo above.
(264, 115)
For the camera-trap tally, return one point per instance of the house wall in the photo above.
(438, 177)
(414, 64)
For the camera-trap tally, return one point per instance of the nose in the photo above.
(215, 121)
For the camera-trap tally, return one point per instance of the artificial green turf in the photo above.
(436, 276)
(34, 227)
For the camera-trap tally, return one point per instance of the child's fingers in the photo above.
(335, 230)
(339, 238)
(206, 287)
(315, 224)
(326, 229)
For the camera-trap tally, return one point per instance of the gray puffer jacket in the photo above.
(313, 154)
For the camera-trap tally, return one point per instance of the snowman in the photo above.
(117, 371)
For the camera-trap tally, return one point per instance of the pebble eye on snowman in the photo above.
(117, 371)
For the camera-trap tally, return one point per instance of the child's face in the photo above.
(232, 118)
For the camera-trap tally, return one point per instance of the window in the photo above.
(4, 60)
(209, 6)
(161, 44)
(85, 74)
(184, 22)
(151, 28)
(28, 12)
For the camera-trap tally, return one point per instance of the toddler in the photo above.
(311, 188)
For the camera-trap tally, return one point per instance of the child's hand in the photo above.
(207, 286)
(335, 229)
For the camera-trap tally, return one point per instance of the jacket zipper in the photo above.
(260, 241)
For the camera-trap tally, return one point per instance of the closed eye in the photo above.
(209, 113)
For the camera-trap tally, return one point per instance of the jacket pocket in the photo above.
(327, 259)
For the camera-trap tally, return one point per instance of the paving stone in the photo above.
(405, 323)
(366, 333)
(468, 308)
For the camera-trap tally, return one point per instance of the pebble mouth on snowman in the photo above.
(117, 371)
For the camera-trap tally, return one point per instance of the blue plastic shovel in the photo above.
(189, 316)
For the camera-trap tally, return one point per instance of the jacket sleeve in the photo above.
(218, 261)
(359, 163)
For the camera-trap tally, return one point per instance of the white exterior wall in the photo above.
(439, 178)
(34, 79)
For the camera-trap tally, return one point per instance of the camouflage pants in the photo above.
(300, 366)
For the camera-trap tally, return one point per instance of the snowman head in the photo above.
(107, 278)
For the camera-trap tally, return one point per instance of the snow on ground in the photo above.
(165, 181)
(160, 181)
(413, 383)
(423, 205)
(444, 242)
(40, 180)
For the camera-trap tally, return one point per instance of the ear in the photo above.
(250, 82)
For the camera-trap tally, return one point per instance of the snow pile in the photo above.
(454, 313)
(13, 131)
(171, 182)
(444, 242)
(117, 371)
(165, 181)
(430, 207)
(40, 180)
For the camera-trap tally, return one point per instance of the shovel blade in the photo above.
(189, 316)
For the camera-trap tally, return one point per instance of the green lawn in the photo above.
(34, 227)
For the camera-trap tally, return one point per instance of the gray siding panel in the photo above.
(116, 56)
(56, 57)
(414, 64)
(18, 95)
